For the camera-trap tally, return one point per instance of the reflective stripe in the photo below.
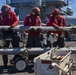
(37, 21)
(9, 16)
(29, 19)
(1, 17)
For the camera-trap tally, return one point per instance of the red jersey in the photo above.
(32, 21)
(60, 21)
(9, 19)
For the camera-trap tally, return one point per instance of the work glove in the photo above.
(32, 30)
(38, 30)
(10, 28)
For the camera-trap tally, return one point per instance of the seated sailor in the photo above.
(33, 19)
(57, 20)
(8, 18)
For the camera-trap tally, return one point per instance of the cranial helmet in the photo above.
(55, 11)
(36, 10)
(5, 8)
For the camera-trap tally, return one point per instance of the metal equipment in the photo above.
(53, 62)
(21, 62)
(43, 28)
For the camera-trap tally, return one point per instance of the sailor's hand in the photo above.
(10, 28)
(58, 28)
(39, 29)
(62, 30)
(31, 30)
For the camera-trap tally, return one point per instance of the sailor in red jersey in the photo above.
(33, 19)
(8, 18)
(56, 20)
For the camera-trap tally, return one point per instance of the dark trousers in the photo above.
(33, 41)
(14, 42)
(60, 41)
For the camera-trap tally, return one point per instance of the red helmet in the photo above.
(55, 11)
(5, 8)
(36, 10)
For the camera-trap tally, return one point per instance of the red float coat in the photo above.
(53, 22)
(30, 20)
(9, 19)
